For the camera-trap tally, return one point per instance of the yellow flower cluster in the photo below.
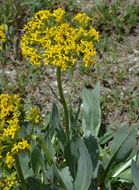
(6, 182)
(20, 146)
(82, 19)
(11, 110)
(34, 115)
(9, 160)
(2, 35)
(11, 115)
(50, 40)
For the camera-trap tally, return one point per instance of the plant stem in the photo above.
(63, 101)
(20, 173)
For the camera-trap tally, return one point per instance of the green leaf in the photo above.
(35, 184)
(54, 120)
(134, 188)
(123, 143)
(92, 147)
(93, 186)
(24, 161)
(73, 118)
(121, 148)
(125, 176)
(37, 161)
(118, 170)
(55, 125)
(104, 137)
(91, 109)
(45, 149)
(72, 155)
(49, 144)
(135, 173)
(66, 178)
(47, 152)
(85, 169)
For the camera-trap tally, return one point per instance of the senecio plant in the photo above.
(75, 154)
(50, 40)
(12, 116)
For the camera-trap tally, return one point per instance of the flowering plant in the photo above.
(12, 116)
(49, 39)
(75, 154)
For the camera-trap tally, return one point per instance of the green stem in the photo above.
(63, 101)
(20, 173)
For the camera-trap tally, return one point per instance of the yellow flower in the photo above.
(93, 33)
(58, 14)
(20, 146)
(82, 19)
(34, 115)
(24, 144)
(9, 160)
(15, 148)
(6, 182)
(2, 35)
(50, 40)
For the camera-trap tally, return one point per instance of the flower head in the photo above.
(34, 115)
(6, 182)
(9, 160)
(49, 39)
(2, 35)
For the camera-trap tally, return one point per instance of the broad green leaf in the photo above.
(46, 120)
(135, 173)
(121, 147)
(25, 130)
(123, 143)
(45, 149)
(73, 120)
(24, 162)
(54, 120)
(55, 125)
(35, 184)
(85, 169)
(47, 152)
(72, 155)
(122, 167)
(104, 137)
(66, 178)
(93, 186)
(91, 109)
(60, 180)
(125, 176)
(43, 166)
(92, 147)
(108, 186)
(49, 144)
(134, 188)
(37, 161)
